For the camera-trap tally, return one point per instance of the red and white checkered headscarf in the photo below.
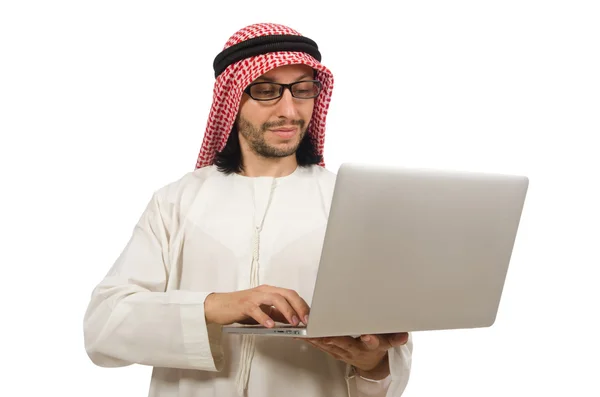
(232, 81)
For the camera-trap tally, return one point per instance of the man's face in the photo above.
(275, 128)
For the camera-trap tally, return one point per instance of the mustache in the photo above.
(278, 124)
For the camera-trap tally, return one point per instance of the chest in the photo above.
(276, 232)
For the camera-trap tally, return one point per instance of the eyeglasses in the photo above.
(306, 89)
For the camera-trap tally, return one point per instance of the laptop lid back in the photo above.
(415, 249)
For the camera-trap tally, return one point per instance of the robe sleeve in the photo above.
(132, 317)
(394, 385)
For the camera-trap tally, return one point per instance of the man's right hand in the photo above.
(260, 305)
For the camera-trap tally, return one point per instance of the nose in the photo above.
(287, 106)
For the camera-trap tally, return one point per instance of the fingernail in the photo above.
(306, 319)
(400, 338)
(295, 320)
(366, 338)
(270, 323)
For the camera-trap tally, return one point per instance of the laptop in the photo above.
(410, 249)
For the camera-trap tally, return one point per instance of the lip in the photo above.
(284, 132)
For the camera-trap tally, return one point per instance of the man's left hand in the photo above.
(368, 354)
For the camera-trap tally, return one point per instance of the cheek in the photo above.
(308, 111)
(254, 114)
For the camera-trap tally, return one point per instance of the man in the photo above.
(238, 241)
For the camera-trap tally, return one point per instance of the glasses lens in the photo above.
(265, 91)
(306, 89)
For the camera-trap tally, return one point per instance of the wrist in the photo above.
(208, 308)
(379, 372)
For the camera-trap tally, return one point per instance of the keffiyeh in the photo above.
(249, 53)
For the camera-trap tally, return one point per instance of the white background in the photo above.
(101, 103)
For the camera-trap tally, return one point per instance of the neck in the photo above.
(255, 166)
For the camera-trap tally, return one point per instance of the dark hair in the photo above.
(229, 160)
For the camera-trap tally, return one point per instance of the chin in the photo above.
(284, 150)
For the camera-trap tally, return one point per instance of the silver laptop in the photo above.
(411, 250)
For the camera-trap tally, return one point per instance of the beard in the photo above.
(256, 138)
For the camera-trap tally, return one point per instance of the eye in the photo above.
(264, 90)
(305, 89)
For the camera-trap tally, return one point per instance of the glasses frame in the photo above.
(282, 89)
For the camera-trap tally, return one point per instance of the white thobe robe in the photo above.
(195, 237)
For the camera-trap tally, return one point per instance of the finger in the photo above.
(269, 311)
(295, 300)
(255, 312)
(282, 305)
(276, 315)
(272, 312)
(345, 343)
(373, 342)
(248, 321)
(335, 351)
(398, 339)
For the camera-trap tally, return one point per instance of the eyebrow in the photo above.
(273, 80)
